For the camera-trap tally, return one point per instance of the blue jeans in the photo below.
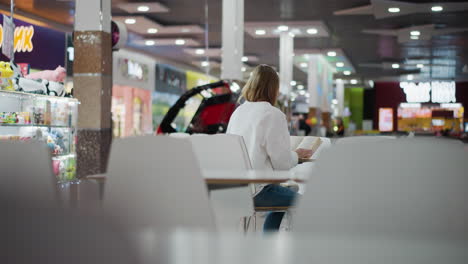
(270, 196)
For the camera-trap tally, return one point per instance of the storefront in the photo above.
(37, 107)
(425, 107)
(131, 94)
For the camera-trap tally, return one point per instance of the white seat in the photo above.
(362, 139)
(155, 182)
(396, 188)
(26, 169)
(225, 152)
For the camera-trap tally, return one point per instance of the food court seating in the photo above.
(26, 170)
(404, 188)
(225, 152)
(155, 182)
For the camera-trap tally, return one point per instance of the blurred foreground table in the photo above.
(204, 248)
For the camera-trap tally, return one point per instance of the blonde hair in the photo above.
(262, 86)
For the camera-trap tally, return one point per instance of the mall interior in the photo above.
(234, 131)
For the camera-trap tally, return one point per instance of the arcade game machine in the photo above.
(213, 114)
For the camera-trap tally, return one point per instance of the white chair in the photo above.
(362, 139)
(225, 152)
(155, 182)
(26, 169)
(405, 188)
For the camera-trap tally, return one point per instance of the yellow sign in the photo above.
(23, 38)
(195, 79)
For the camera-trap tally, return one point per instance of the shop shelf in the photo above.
(31, 125)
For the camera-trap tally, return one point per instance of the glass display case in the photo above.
(53, 120)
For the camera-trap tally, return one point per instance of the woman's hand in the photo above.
(304, 153)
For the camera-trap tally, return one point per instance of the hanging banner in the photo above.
(7, 39)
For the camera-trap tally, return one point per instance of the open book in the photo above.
(312, 143)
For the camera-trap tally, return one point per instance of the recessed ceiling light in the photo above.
(152, 30)
(415, 33)
(414, 37)
(302, 92)
(437, 8)
(409, 77)
(243, 69)
(205, 64)
(283, 28)
(260, 32)
(130, 21)
(150, 43)
(312, 31)
(143, 8)
(395, 65)
(307, 95)
(245, 58)
(347, 72)
(339, 64)
(293, 83)
(331, 53)
(420, 66)
(199, 51)
(394, 10)
(300, 87)
(303, 65)
(180, 42)
(353, 81)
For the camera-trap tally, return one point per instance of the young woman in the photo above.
(265, 132)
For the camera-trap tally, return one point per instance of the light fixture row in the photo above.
(284, 28)
(436, 8)
(178, 42)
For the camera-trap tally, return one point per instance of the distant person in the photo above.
(303, 125)
(340, 127)
(265, 132)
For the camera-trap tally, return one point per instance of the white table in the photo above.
(217, 179)
(247, 176)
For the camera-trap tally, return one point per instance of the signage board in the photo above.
(43, 48)
(423, 92)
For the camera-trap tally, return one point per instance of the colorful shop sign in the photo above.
(41, 47)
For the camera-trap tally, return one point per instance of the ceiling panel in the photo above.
(447, 53)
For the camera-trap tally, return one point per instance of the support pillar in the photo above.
(286, 62)
(232, 40)
(340, 96)
(92, 77)
(313, 90)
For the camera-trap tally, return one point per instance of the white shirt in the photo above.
(265, 132)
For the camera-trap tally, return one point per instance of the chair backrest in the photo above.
(400, 188)
(221, 151)
(225, 152)
(155, 182)
(362, 139)
(26, 169)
